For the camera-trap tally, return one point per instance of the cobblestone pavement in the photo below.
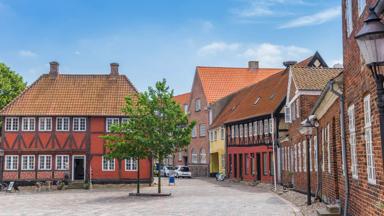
(189, 197)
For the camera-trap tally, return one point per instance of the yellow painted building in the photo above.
(217, 150)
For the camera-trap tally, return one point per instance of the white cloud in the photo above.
(27, 53)
(215, 48)
(315, 19)
(272, 55)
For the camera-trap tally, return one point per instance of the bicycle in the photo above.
(220, 177)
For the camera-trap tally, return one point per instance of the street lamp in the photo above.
(306, 129)
(370, 40)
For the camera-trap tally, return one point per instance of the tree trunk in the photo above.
(138, 176)
(159, 176)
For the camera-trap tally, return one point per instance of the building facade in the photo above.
(53, 129)
(181, 157)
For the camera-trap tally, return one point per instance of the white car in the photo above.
(166, 171)
(183, 172)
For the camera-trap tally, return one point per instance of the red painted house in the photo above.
(53, 129)
(253, 122)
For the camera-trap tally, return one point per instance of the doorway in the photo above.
(241, 166)
(235, 166)
(185, 159)
(78, 167)
(258, 167)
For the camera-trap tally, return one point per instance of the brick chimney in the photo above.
(253, 65)
(114, 69)
(53, 69)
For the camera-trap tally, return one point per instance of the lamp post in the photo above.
(306, 129)
(370, 40)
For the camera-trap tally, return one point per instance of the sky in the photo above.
(156, 39)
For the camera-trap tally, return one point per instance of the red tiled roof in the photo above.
(258, 99)
(182, 98)
(85, 95)
(219, 82)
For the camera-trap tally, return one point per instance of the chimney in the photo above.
(289, 63)
(114, 69)
(253, 65)
(53, 69)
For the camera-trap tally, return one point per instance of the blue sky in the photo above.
(155, 39)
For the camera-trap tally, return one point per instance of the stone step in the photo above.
(325, 212)
(75, 185)
(333, 208)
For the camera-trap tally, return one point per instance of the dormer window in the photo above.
(197, 105)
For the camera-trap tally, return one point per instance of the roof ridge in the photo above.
(266, 68)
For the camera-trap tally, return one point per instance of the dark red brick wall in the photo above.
(364, 198)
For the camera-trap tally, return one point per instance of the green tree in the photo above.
(11, 85)
(157, 127)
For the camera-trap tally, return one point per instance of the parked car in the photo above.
(183, 171)
(166, 171)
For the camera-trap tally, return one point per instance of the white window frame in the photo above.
(197, 105)
(282, 159)
(30, 162)
(186, 108)
(287, 112)
(28, 124)
(110, 164)
(310, 155)
(222, 133)
(43, 165)
(43, 124)
(297, 103)
(255, 132)
(130, 164)
(305, 156)
(77, 124)
(328, 148)
(203, 156)
(250, 129)
(315, 152)
(62, 128)
(232, 131)
(202, 130)
(194, 157)
(210, 116)
(63, 164)
(299, 153)
(109, 122)
(14, 162)
(194, 135)
(245, 130)
(371, 170)
(12, 124)
(266, 126)
(352, 141)
(261, 127)
(295, 157)
(349, 17)
(323, 148)
(270, 126)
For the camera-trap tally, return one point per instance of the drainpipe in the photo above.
(274, 152)
(344, 147)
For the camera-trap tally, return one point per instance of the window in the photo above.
(79, 124)
(305, 156)
(282, 158)
(252, 164)
(352, 140)
(194, 156)
(250, 129)
(265, 165)
(28, 124)
(194, 132)
(299, 152)
(246, 130)
(287, 113)
(28, 162)
(295, 157)
(215, 135)
(210, 136)
(237, 131)
(11, 124)
(270, 126)
(124, 120)
(289, 158)
(266, 127)
(246, 164)
(108, 164)
(180, 155)
(11, 162)
(241, 131)
(45, 124)
(45, 162)
(297, 103)
(328, 148)
(203, 156)
(62, 124)
(210, 117)
(361, 6)
(110, 122)
(368, 140)
(222, 134)
(202, 130)
(232, 131)
(254, 128)
(260, 128)
(130, 164)
(323, 148)
(271, 165)
(348, 16)
(62, 162)
(186, 108)
(293, 111)
(315, 151)
(197, 105)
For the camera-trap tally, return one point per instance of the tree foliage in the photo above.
(157, 127)
(11, 85)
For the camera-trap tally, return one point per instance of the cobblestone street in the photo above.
(189, 197)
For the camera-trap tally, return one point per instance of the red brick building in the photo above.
(253, 121)
(181, 157)
(53, 129)
(305, 85)
(364, 143)
(209, 85)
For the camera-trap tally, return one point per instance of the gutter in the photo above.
(343, 143)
